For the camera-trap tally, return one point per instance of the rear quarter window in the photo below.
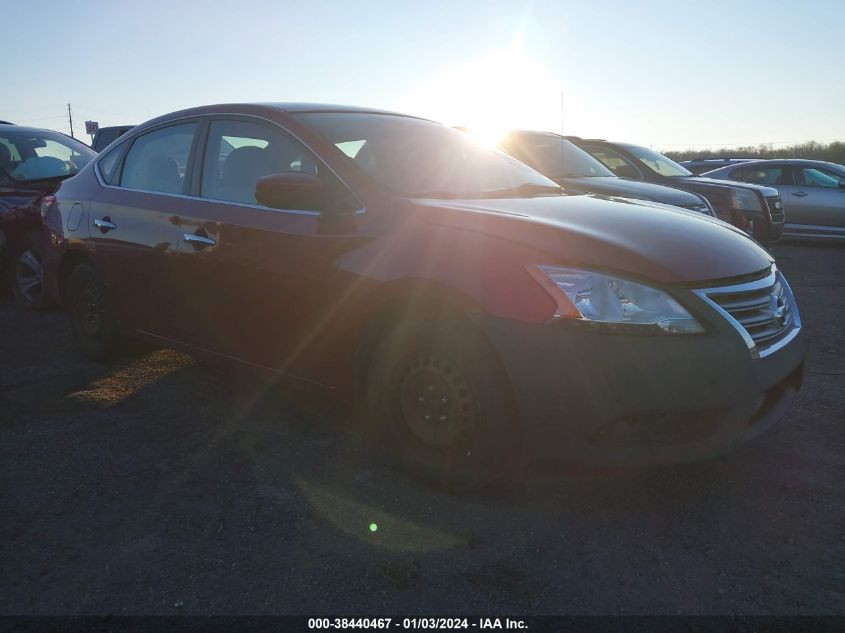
(108, 165)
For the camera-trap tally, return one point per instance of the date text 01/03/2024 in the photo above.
(416, 623)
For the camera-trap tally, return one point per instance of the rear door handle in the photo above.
(799, 194)
(105, 225)
(198, 240)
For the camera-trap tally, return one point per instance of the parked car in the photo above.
(577, 171)
(756, 209)
(813, 193)
(32, 163)
(106, 135)
(698, 166)
(469, 307)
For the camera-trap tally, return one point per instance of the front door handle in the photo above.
(799, 194)
(198, 240)
(105, 225)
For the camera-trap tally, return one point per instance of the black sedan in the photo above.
(576, 171)
(756, 209)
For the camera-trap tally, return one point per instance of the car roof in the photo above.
(536, 133)
(719, 160)
(11, 127)
(301, 108)
(789, 161)
(286, 107)
(600, 140)
(292, 108)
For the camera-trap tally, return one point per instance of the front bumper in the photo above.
(768, 223)
(777, 218)
(589, 396)
(775, 231)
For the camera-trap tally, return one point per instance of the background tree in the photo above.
(831, 152)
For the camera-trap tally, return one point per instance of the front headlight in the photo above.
(614, 303)
(745, 200)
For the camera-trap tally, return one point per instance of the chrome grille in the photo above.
(775, 204)
(764, 309)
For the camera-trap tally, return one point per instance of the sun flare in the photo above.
(487, 136)
(491, 95)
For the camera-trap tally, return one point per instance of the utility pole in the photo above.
(70, 120)
(562, 131)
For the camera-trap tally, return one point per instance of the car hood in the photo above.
(715, 182)
(613, 186)
(634, 239)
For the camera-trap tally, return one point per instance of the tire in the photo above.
(27, 274)
(440, 406)
(91, 317)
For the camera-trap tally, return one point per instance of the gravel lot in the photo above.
(161, 485)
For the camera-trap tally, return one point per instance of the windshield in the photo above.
(657, 162)
(34, 155)
(418, 158)
(554, 157)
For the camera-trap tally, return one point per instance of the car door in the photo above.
(781, 176)
(815, 202)
(258, 284)
(132, 226)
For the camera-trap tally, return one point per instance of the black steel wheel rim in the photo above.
(437, 403)
(90, 309)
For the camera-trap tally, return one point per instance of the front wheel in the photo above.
(441, 405)
(91, 317)
(28, 275)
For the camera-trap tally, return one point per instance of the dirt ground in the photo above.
(160, 485)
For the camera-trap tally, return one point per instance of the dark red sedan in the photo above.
(471, 307)
(32, 164)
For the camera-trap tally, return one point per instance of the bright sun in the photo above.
(491, 95)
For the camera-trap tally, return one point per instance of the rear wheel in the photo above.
(28, 274)
(440, 404)
(91, 317)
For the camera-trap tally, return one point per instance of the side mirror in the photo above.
(290, 190)
(626, 171)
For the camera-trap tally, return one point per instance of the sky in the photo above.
(666, 74)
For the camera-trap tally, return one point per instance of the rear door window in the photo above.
(158, 160)
(761, 174)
